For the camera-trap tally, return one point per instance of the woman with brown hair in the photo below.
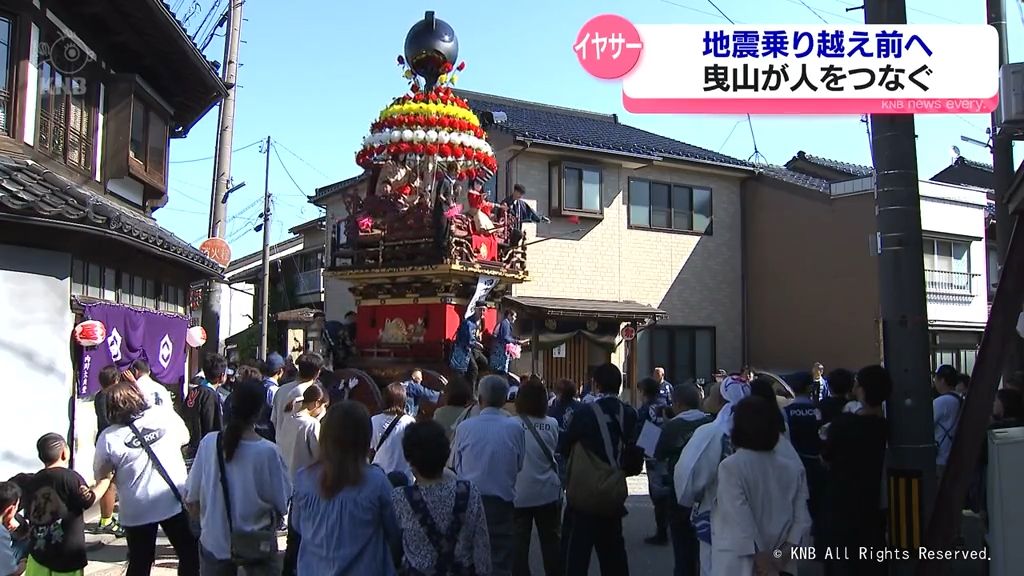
(459, 402)
(388, 430)
(538, 487)
(342, 507)
(141, 449)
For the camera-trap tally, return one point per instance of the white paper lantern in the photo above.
(396, 135)
(196, 336)
(443, 137)
(407, 135)
(419, 136)
(431, 136)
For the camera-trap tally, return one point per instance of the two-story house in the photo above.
(811, 264)
(975, 174)
(645, 231)
(297, 295)
(90, 96)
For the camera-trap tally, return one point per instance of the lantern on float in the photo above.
(90, 333)
(196, 336)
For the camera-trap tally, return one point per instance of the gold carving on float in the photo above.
(396, 331)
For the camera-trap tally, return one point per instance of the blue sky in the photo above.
(315, 73)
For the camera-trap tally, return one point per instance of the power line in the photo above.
(211, 157)
(757, 153)
(819, 11)
(300, 159)
(909, 9)
(726, 141)
(691, 9)
(813, 11)
(719, 10)
(289, 174)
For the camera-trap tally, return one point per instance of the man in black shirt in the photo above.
(854, 452)
(56, 499)
(201, 409)
(582, 533)
(840, 384)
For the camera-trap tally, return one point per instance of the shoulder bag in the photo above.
(543, 446)
(384, 437)
(159, 468)
(248, 548)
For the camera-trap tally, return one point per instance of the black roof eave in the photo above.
(149, 248)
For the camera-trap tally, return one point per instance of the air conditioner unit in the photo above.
(1011, 94)
(1005, 501)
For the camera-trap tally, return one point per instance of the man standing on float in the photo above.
(467, 350)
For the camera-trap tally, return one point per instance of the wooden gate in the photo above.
(572, 366)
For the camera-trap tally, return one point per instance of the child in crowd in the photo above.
(10, 500)
(56, 499)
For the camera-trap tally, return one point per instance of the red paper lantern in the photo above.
(90, 333)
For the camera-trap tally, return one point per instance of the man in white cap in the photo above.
(696, 473)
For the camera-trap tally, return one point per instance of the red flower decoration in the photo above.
(447, 67)
(460, 68)
(415, 88)
(458, 152)
(431, 149)
(418, 148)
(445, 150)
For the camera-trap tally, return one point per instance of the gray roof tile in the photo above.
(602, 132)
(29, 189)
(856, 170)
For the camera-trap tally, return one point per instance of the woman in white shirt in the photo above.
(306, 440)
(388, 430)
(762, 496)
(147, 499)
(254, 506)
(538, 488)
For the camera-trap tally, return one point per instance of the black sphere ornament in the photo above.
(429, 45)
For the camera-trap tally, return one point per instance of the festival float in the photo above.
(422, 240)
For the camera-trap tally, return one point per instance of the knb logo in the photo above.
(67, 57)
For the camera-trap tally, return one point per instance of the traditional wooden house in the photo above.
(90, 96)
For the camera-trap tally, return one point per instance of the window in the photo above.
(665, 206)
(575, 189)
(6, 72)
(66, 126)
(148, 143)
(685, 352)
(947, 265)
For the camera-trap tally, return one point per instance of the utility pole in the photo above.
(1002, 167)
(911, 451)
(222, 169)
(265, 276)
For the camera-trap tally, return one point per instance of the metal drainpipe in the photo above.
(508, 166)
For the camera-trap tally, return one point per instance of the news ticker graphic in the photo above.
(797, 69)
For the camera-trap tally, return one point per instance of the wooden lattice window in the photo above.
(66, 125)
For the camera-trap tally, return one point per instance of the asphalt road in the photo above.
(107, 558)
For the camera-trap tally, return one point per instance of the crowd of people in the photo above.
(734, 472)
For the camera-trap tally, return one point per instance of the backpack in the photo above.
(595, 486)
(673, 455)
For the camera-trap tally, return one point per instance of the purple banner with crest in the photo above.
(156, 337)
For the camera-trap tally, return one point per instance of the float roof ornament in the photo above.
(430, 127)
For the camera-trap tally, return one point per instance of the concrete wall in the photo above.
(35, 352)
(958, 213)
(695, 278)
(812, 278)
